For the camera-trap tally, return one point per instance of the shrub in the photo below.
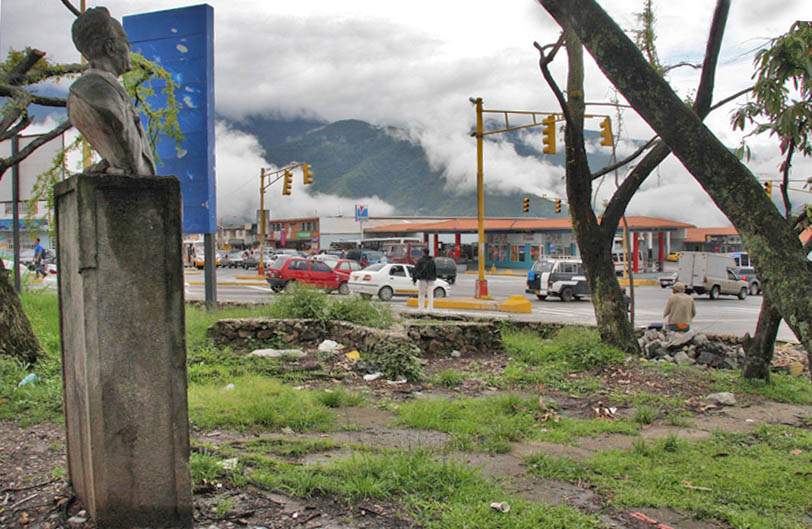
(355, 309)
(398, 360)
(300, 301)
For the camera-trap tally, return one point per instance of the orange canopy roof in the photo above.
(470, 225)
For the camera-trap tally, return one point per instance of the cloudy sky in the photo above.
(415, 64)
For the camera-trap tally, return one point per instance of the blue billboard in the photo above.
(182, 42)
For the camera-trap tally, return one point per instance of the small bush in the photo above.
(449, 378)
(355, 309)
(398, 360)
(300, 301)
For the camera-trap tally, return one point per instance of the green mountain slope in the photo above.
(354, 159)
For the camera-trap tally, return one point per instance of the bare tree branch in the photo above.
(545, 72)
(617, 205)
(627, 160)
(5, 163)
(9, 91)
(71, 8)
(728, 99)
(18, 128)
(667, 69)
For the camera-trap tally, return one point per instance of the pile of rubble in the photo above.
(720, 352)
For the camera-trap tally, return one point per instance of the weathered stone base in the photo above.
(465, 337)
(123, 349)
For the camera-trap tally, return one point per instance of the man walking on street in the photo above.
(425, 273)
(39, 260)
(680, 309)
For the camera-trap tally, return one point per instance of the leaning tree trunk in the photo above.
(596, 254)
(773, 246)
(759, 349)
(17, 338)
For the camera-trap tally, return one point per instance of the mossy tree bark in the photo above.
(760, 348)
(773, 245)
(17, 338)
(607, 297)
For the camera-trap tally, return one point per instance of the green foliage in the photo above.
(356, 309)
(339, 398)
(398, 360)
(300, 301)
(783, 68)
(645, 414)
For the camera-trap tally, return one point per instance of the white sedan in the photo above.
(390, 279)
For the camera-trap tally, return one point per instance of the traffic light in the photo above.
(307, 174)
(558, 205)
(768, 188)
(548, 135)
(606, 132)
(286, 185)
(525, 204)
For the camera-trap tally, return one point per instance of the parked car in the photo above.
(446, 269)
(365, 257)
(286, 271)
(673, 256)
(557, 277)
(667, 280)
(405, 252)
(251, 260)
(386, 280)
(748, 273)
(339, 265)
(232, 259)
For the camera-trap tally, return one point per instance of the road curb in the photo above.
(515, 304)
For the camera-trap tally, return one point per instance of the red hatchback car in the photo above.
(307, 271)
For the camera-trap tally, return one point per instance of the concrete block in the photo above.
(122, 326)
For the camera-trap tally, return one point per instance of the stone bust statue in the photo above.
(99, 106)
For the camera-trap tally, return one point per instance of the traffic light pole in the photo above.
(481, 286)
(274, 177)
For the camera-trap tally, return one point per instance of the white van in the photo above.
(711, 273)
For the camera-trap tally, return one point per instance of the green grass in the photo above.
(756, 480)
(438, 494)
(257, 402)
(448, 378)
(491, 424)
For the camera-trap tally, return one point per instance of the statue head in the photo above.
(102, 40)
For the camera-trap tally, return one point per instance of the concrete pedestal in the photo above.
(123, 348)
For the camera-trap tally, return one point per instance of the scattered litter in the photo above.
(229, 387)
(456, 354)
(330, 346)
(294, 515)
(277, 353)
(372, 376)
(687, 484)
(353, 355)
(396, 382)
(298, 388)
(228, 464)
(602, 412)
(30, 378)
(501, 506)
(287, 430)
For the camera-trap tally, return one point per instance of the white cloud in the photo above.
(415, 65)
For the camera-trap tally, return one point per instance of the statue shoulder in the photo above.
(96, 89)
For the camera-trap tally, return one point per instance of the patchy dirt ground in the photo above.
(34, 492)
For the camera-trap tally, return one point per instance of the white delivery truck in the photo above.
(710, 273)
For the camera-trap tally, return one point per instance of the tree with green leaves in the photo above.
(781, 107)
(20, 74)
(596, 235)
(774, 247)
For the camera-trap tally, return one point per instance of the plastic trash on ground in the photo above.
(329, 346)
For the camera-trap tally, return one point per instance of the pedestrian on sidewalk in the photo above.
(680, 309)
(39, 260)
(425, 273)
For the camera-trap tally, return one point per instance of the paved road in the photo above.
(727, 315)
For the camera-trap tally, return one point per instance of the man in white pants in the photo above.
(425, 273)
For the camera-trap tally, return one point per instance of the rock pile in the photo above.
(687, 348)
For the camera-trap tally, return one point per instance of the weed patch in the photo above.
(256, 402)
